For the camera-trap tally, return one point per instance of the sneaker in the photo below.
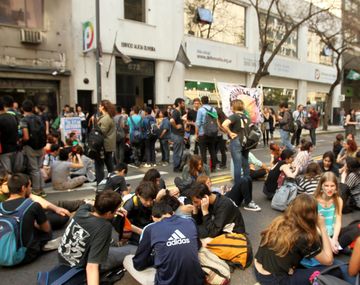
(40, 193)
(52, 244)
(165, 163)
(218, 167)
(147, 165)
(252, 207)
(153, 165)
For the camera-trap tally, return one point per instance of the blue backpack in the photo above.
(136, 136)
(12, 250)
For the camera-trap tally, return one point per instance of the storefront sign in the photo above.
(140, 67)
(207, 55)
(70, 125)
(137, 46)
(88, 31)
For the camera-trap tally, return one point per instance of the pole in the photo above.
(97, 55)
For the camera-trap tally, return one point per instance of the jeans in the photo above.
(150, 151)
(116, 256)
(295, 140)
(241, 191)
(285, 139)
(240, 160)
(178, 149)
(120, 148)
(34, 160)
(5, 161)
(99, 165)
(136, 150)
(165, 151)
(221, 146)
(313, 136)
(194, 146)
(205, 143)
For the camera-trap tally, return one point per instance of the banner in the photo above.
(88, 32)
(70, 125)
(252, 98)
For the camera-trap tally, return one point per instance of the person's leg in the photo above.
(147, 151)
(166, 150)
(223, 152)
(177, 150)
(267, 137)
(74, 182)
(282, 137)
(99, 169)
(235, 149)
(202, 145)
(298, 132)
(5, 161)
(144, 277)
(116, 256)
(245, 162)
(235, 194)
(108, 159)
(286, 140)
(153, 152)
(71, 205)
(56, 221)
(34, 171)
(210, 144)
(256, 174)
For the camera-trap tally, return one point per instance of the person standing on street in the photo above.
(150, 138)
(107, 127)
(299, 119)
(314, 123)
(136, 137)
(119, 121)
(285, 119)
(350, 123)
(177, 133)
(191, 119)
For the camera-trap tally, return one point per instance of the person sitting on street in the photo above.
(350, 185)
(153, 175)
(303, 157)
(170, 245)
(60, 171)
(328, 163)
(258, 169)
(214, 213)
(89, 167)
(275, 153)
(338, 144)
(48, 162)
(349, 150)
(116, 179)
(308, 182)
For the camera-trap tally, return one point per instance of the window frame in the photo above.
(143, 4)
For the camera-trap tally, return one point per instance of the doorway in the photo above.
(84, 99)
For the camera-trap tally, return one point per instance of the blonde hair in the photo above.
(329, 176)
(237, 105)
(298, 220)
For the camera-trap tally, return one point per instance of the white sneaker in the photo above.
(147, 165)
(252, 207)
(52, 244)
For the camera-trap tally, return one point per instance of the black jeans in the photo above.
(99, 165)
(205, 143)
(221, 146)
(241, 191)
(120, 150)
(313, 136)
(258, 173)
(296, 137)
(150, 150)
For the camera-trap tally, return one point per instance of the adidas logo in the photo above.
(177, 238)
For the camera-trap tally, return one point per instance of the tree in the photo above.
(288, 16)
(341, 36)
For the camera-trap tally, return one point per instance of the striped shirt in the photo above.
(353, 182)
(302, 160)
(307, 185)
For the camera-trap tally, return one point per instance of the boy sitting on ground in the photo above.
(170, 245)
(116, 180)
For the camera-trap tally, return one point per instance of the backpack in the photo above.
(210, 124)
(104, 183)
(153, 131)
(322, 278)
(252, 134)
(95, 142)
(234, 248)
(12, 250)
(120, 133)
(217, 271)
(136, 135)
(290, 126)
(284, 196)
(37, 132)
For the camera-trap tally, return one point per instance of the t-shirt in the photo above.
(307, 185)
(116, 183)
(281, 265)
(191, 116)
(34, 214)
(171, 246)
(165, 125)
(86, 239)
(60, 171)
(176, 115)
(8, 132)
(237, 125)
(136, 119)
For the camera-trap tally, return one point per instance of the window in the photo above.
(22, 13)
(275, 33)
(134, 10)
(317, 51)
(273, 96)
(228, 24)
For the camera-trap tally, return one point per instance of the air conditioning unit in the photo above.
(30, 36)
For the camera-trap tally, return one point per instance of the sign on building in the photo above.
(88, 32)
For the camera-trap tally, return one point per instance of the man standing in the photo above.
(285, 119)
(34, 140)
(207, 130)
(191, 119)
(8, 138)
(135, 130)
(314, 123)
(120, 121)
(177, 133)
(299, 119)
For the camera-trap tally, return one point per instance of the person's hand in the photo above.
(62, 212)
(121, 212)
(187, 208)
(174, 192)
(205, 205)
(334, 246)
(232, 135)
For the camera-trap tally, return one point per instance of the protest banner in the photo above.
(69, 125)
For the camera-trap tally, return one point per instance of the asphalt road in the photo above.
(255, 221)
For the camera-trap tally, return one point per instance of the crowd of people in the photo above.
(159, 232)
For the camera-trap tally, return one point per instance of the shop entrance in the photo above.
(135, 83)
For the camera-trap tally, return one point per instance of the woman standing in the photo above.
(107, 127)
(266, 125)
(272, 122)
(279, 255)
(350, 123)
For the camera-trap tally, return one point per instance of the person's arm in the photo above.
(198, 122)
(354, 264)
(143, 257)
(44, 227)
(288, 171)
(325, 257)
(337, 227)
(46, 205)
(26, 136)
(226, 128)
(92, 274)
(79, 164)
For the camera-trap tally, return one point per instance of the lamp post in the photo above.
(97, 54)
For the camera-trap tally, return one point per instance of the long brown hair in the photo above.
(108, 107)
(329, 176)
(193, 165)
(299, 220)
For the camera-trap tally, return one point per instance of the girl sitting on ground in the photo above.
(328, 163)
(308, 182)
(303, 158)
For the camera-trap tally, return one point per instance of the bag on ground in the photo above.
(210, 123)
(217, 271)
(12, 250)
(234, 248)
(284, 196)
(323, 278)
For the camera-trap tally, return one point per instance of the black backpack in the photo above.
(251, 136)
(153, 131)
(95, 142)
(120, 133)
(37, 132)
(210, 124)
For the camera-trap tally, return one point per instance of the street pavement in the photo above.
(255, 221)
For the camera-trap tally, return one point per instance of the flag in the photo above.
(182, 57)
(353, 75)
(126, 59)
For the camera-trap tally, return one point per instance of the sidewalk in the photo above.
(331, 130)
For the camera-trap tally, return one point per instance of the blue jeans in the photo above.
(285, 139)
(178, 149)
(240, 160)
(165, 152)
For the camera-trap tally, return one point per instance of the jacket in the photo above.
(107, 126)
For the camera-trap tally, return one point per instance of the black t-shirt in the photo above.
(8, 132)
(272, 178)
(34, 214)
(116, 183)
(176, 115)
(191, 116)
(237, 125)
(86, 239)
(281, 265)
